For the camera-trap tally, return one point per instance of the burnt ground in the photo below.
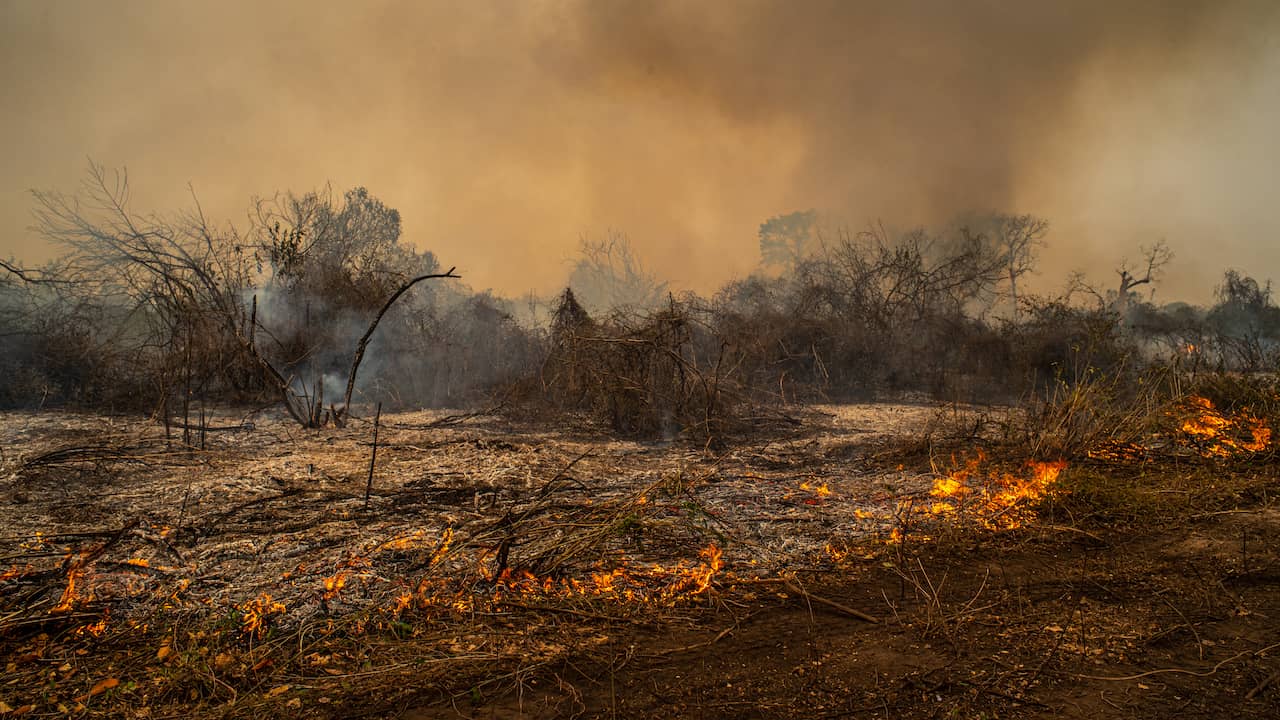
(1136, 589)
(1141, 624)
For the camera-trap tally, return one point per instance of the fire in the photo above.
(654, 584)
(1222, 436)
(998, 500)
(71, 596)
(15, 572)
(94, 629)
(334, 584)
(1116, 451)
(254, 614)
(713, 561)
(404, 542)
(819, 490)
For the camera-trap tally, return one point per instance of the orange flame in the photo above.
(15, 572)
(999, 501)
(71, 596)
(1222, 436)
(255, 613)
(652, 584)
(819, 490)
(334, 584)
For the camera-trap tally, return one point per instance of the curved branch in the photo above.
(364, 341)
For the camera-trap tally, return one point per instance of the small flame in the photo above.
(255, 613)
(819, 490)
(334, 584)
(1220, 435)
(71, 596)
(15, 572)
(94, 629)
(998, 500)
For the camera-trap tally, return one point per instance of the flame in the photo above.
(255, 613)
(15, 572)
(654, 584)
(819, 490)
(713, 559)
(1220, 435)
(404, 542)
(998, 500)
(71, 596)
(94, 629)
(1116, 451)
(334, 584)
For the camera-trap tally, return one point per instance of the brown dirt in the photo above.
(1146, 591)
(1168, 622)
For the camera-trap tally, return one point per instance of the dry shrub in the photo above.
(657, 375)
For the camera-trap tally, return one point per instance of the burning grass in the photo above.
(253, 579)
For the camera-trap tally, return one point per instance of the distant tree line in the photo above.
(153, 312)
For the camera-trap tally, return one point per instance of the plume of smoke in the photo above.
(501, 128)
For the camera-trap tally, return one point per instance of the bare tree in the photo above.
(1155, 257)
(609, 275)
(1017, 241)
(186, 277)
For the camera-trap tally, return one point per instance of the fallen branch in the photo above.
(796, 589)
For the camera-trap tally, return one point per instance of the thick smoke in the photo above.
(504, 131)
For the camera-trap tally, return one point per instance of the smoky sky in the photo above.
(504, 131)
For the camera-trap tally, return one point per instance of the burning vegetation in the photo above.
(618, 457)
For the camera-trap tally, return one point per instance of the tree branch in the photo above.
(364, 341)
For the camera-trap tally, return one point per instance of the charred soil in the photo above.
(507, 570)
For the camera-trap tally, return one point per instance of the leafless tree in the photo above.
(1155, 258)
(610, 275)
(1017, 241)
(185, 276)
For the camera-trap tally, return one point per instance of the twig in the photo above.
(373, 456)
(1180, 671)
(1262, 685)
(830, 603)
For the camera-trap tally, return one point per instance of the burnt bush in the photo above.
(661, 374)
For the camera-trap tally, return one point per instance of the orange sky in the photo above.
(504, 130)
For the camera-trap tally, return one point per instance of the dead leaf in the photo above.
(294, 703)
(263, 663)
(23, 710)
(4, 707)
(103, 685)
(278, 690)
(163, 653)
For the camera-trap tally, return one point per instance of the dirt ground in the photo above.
(502, 569)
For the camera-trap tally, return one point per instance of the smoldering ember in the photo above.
(333, 460)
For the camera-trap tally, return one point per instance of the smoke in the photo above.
(504, 131)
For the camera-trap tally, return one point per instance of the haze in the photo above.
(504, 131)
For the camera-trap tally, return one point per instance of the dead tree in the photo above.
(1157, 257)
(1018, 239)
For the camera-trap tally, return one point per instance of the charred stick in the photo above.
(364, 340)
(373, 456)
